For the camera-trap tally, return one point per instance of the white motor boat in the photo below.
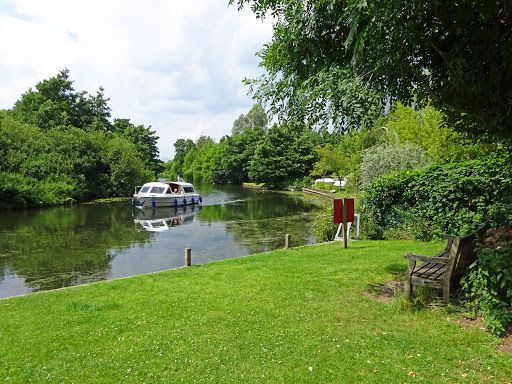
(172, 194)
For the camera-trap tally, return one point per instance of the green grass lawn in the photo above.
(290, 316)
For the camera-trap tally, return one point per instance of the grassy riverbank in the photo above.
(287, 316)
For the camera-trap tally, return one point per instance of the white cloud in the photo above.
(175, 65)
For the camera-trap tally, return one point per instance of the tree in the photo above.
(145, 141)
(427, 128)
(335, 61)
(386, 158)
(55, 102)
(255, 118)
(285, 153)
(331, 161)
(181, 148)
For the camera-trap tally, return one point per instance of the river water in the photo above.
(57, 247)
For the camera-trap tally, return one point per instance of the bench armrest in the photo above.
(427, 259)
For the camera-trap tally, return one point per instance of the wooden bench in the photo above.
(442, 270)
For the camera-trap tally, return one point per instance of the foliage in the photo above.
(57, 145)
(181, 148)
(453, 198)
(341, 61)
(384, 159)
(145, 141)
(324, 186)
(256, 118)
(281, 156)
(428, 129)
(343, 157)
(300, 183)
(325, 229)
(285, 152)
(488, 283)
(330, 161)
(55, 103)
(240, 149)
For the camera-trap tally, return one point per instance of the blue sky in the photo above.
(175, 65)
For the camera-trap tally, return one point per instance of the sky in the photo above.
(174, 65)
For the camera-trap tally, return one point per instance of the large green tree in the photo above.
(337, 61)
(181, 148)
(145, 141)
(287, 152)
(54, 102)
(247, 131)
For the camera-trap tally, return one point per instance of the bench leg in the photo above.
(408, 289)
(446, 291)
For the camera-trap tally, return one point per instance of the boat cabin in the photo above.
(157, 188)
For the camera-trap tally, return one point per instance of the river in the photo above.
(45, 249)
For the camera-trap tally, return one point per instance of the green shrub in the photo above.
(324, 186)
(386, 158)
(487, 286)
(454, 198)
(17, 191)
(300, 183)
(325, 229)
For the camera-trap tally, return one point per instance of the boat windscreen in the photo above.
(157, 190)
(144, 189)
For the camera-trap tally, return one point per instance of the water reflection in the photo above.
(162, 219)
(57, 247)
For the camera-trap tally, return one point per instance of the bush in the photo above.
(325, 186)
(488, 284)
(298, 184)
(325, 229)
(454, 198)
(384, 159)
(17, 191)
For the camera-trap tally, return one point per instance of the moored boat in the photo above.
(170, 194)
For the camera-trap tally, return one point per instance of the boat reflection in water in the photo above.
(162, 219)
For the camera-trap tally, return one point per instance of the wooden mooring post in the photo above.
(188, 257)
(287, 241)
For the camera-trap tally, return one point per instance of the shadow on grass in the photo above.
(396, 269)
(384, 292)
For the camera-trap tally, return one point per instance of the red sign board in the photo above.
(338, 210)
(349, 206)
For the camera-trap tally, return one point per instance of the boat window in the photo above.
(144, 189)
(157, 190)
(188, 189)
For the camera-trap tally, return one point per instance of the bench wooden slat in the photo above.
(446, 266)
(430, 271)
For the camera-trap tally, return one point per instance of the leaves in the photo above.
(338, 63)
(453, 198)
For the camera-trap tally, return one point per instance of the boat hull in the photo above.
(165, 201)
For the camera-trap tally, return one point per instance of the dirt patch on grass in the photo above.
(465, 322)
(384, 293)
(506, 345)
